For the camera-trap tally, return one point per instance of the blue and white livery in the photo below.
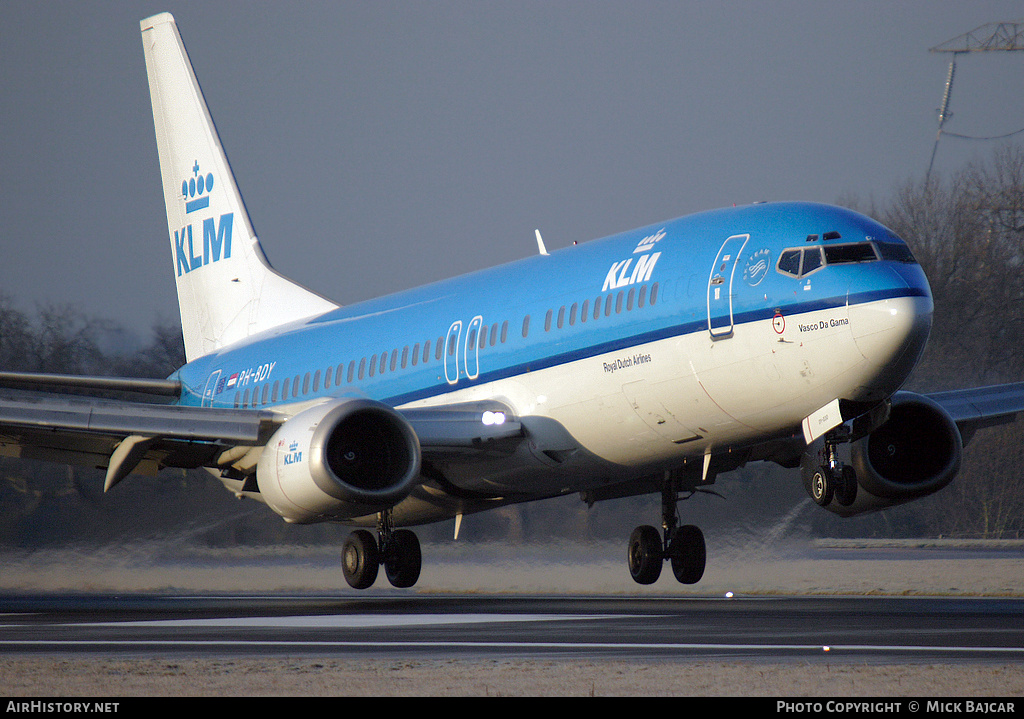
(651, 361)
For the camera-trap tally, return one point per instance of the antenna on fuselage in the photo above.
(540, 243)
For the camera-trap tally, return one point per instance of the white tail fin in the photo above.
(227, 290)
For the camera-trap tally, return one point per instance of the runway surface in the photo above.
(872, 630)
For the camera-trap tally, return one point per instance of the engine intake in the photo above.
(339, 460)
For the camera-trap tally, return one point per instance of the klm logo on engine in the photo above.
(294, 455)
(630, 272)
(189, 255)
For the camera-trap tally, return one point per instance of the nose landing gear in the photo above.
(831, 478)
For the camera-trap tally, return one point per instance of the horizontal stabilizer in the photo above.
(65, 382)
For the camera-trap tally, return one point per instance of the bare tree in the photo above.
(968, 234)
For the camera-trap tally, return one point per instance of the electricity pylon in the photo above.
(993, 37)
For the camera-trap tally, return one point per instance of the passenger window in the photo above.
(526, 325)
(584, 310)
(277, 388)
(351, 370)
(362, 367)
(654, 293)
(642, 296)
(373, 366)
(405, 355)
(266, 392)
(547, 321)
(561, 316)
(504, 331)
(394, 359)
(572, 314)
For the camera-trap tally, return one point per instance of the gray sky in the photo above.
(380, 145)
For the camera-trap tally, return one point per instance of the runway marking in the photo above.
(346, 621)
(832, 649)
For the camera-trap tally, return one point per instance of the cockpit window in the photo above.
(799, 262)
(789, 262)
(846, 254)
(812, 261)
(895, 252)
(802, 261)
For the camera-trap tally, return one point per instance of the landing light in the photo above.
(493, 418)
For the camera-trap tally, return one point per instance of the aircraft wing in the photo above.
(979, 407)
(136, 436)
(125, 436)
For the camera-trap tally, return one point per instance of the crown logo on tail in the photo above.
(196, 190)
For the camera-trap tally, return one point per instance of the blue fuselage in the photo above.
(735, 312)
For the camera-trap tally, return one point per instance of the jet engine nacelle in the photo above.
(339, 460)
(916, 452)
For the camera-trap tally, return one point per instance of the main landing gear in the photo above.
(397, 549)
(683, 547)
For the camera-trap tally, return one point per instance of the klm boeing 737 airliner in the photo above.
(651, 361)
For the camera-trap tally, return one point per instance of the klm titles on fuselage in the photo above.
(626, 272)
(216, 233)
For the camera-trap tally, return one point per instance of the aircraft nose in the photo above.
(891, 332)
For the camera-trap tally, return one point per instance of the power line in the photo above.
(993, 37)
(976, 137)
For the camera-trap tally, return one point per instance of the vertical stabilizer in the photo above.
(227, 290)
